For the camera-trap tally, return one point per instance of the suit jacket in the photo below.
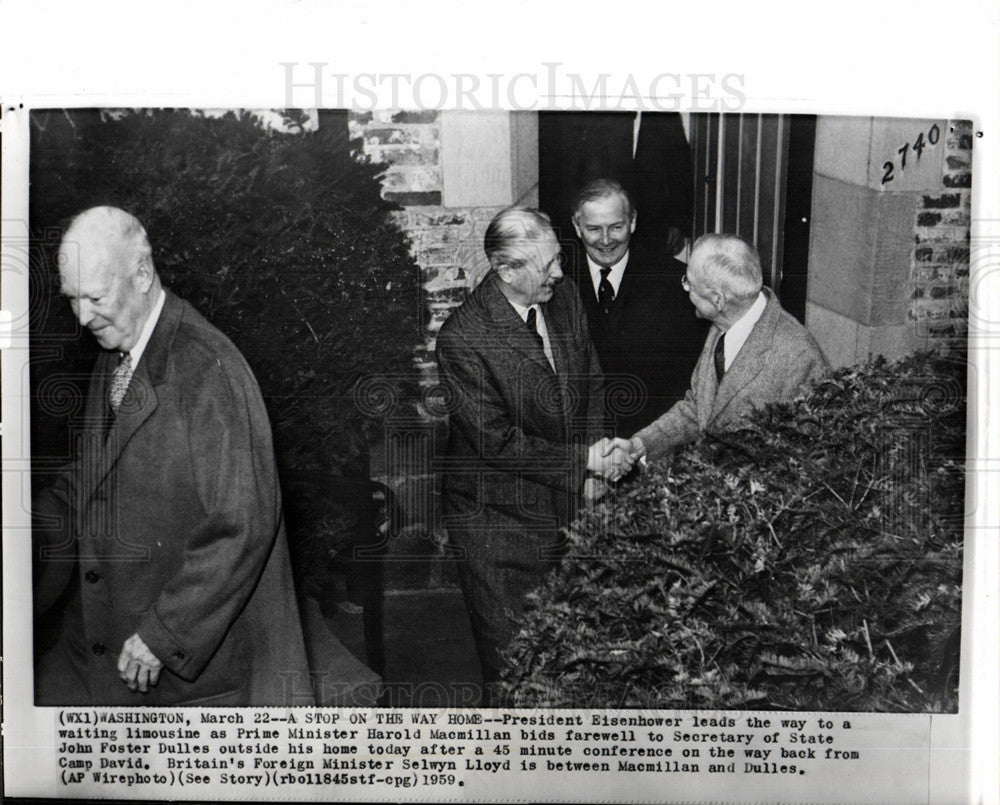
(519, 431)
(517, 449)
(778, 358)
(663, 183)
(174, 520)
(650, 340)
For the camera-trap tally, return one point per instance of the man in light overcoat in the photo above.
(755, 354)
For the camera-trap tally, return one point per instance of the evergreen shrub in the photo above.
(282, 240)
(812, 561)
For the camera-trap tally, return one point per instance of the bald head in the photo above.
(106, 272)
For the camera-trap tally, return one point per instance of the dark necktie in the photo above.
(533, 327)
(605, 292)
(720, 358)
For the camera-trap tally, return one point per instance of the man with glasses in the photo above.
(526, 424)
(755, 354)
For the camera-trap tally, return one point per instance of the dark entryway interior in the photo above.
(753, 178)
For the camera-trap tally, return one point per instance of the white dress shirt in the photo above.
(540, 327)
(147, 329)
(614, 276)
(737, 335)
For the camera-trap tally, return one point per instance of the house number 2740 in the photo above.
(918, 146)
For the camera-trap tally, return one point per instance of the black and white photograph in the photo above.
(409, 495)
(497, 450)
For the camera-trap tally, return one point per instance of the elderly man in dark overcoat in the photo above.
(171, 512)
(526, 425)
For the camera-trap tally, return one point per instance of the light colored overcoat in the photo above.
(778, 358)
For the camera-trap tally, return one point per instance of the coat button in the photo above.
(99, 649)
(92, 576)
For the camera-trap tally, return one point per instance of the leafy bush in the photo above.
(812, 562)
(280, 239)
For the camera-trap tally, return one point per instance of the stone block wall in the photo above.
(888, 252)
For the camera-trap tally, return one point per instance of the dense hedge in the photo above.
(810, 562)
(282, 240)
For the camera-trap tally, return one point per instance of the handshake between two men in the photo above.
(609, 460)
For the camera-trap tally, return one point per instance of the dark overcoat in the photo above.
(517, 450)
(172, 517)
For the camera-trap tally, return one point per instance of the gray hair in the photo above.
(600, 189)
(731, 265)
(111, 227)
(510, 230)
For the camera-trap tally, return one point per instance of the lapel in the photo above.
(586, 284)
(96, 412)
(520, 341)
(558, 333)
(511, 326)
(140, 399)
(749, 362)
(706, 393)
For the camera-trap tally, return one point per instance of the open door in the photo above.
(753, 178)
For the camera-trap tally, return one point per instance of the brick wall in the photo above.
(940, 266)
(447, 244)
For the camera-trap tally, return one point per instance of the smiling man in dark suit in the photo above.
(171, 511)
(755, 354)
(526, 419)
(643, 327)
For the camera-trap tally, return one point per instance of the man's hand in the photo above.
(637, 449)
(594, 489)
(137, 665)
(610, 458)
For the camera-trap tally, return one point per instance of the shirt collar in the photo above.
(147, 328)
(522, 311)
(737, 335)
(614, 276)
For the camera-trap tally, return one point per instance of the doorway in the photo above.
(753, 178)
